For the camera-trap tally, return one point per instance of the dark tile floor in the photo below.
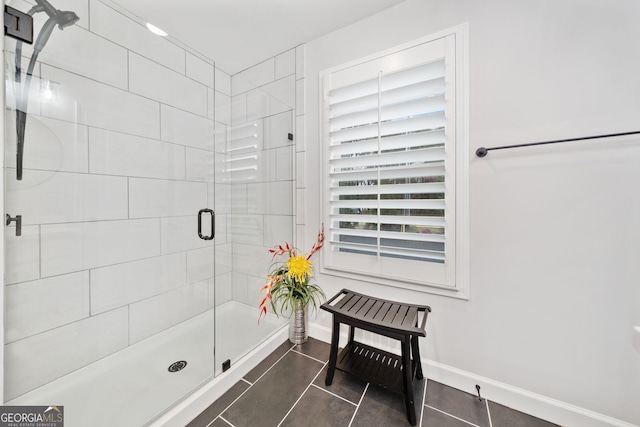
(287, 389)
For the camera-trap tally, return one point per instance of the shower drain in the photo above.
(177, 366)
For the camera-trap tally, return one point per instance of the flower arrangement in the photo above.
(290, 281)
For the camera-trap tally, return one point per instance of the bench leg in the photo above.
(416, 357)
(333, 356)
(408, 381)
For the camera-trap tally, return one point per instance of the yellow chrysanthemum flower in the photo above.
(299, 268)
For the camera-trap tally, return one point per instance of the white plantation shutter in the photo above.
(390, 162)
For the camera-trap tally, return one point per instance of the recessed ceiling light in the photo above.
(156, 30)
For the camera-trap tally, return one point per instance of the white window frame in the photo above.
(455, 282)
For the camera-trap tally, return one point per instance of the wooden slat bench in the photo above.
(388, 318)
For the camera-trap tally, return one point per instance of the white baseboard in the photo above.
(185, 411)
(516, 398)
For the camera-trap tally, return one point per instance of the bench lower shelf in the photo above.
(372, 365)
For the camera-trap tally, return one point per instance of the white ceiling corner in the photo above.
(237, 34)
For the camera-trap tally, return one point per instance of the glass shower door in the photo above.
(109, 287)
(254, 189)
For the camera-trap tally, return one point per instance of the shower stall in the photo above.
(142, 189)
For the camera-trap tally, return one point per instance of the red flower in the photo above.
(277, 276)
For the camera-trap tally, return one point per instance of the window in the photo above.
(395, 166)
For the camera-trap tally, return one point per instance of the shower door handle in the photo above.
(18, 220)
(213, 224)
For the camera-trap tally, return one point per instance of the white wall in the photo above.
(554, 229)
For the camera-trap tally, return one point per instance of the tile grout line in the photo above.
(334, 395)
(300, 397)
(248, 388)
(424, 399)
(306, 355)
(422, 416)
(452, 416)
(488, 412)
(274, 364)
(353, 417)
(223, 419)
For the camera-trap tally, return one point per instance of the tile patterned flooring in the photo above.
(287, 389)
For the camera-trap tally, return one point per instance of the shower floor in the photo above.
(133, 386)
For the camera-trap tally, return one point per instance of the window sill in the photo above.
(447, 291)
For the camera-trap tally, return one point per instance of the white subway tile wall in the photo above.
(77, 246)
(121, 154)
(179, 234)
(88, 54)
(254, 77)
(223, 82)
(119, 158)
(154, 197)
(22, 254)
(222, 289)
(224, 258)
(221, 191)
(300, 96)
(277, 229)
(199, 265)
(222, 108)
(300, 204)
(11, 88)
(200, 165)
(244, 260)
(300, 131)
(239, 108)
(260, 159)
(85, 101)
(122, 284)
(126, 140)
(52, 145)
(286, 64)
(116, 28)
(50, 197)
(247, 229)
(154, 81)
(200, 70)
(100, 336)
(29, 309)
(177, 306)
(185, 128)
(270, 99)
(300, 172)
(277, 129)
(211, 103)
(212, 298)
(283, 91)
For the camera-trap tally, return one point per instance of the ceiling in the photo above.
(237, 34)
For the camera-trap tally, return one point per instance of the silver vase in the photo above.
(298, 324)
